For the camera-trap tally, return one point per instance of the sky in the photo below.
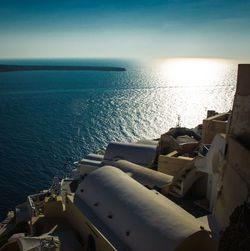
(124, 28)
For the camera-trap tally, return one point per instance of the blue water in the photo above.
(47, 117)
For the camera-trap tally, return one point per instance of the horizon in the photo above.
(149, 59)
(118, 29)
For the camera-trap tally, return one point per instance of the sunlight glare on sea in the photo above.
(197, 85)
(194, 71)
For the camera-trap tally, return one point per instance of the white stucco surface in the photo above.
(140, 154)
(141, 218)
(144, 175)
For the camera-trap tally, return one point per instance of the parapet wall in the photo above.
(240, 119)
(235, 178)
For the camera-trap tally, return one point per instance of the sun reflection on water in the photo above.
(192, 86)
(193, 71)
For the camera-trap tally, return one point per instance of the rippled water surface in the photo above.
(48, 117)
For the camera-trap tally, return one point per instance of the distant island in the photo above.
(9, 68)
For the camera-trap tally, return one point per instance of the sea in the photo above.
(49, 118)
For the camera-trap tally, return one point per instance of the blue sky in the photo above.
(124, 28)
